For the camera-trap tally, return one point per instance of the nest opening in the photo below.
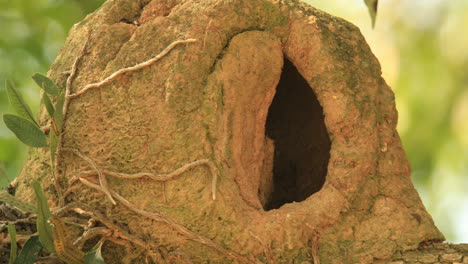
(295, 123)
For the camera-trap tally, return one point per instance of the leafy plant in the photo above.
(18, 103)
(24, 125)
(46, 84)
(35, 243)
(28, 131)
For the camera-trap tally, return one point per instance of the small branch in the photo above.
(132, 68)
(315, 247)
(71, 77)
(266, 249)
(31, 220)
(102, 178)
(163, 190)
(91, 233)
(76, 207)
(206, 32)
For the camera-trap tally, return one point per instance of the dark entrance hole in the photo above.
(302, 147)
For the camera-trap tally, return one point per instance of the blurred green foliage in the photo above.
(32, 33)
(421, 44)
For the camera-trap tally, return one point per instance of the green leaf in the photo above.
(13, 247)
(94, 256)
(43, 214)
(12, 200)
(53, 141)
(26, 131)
(45, 83)
(372, 6)
(58, 115)
(18, 103)
(30, 251)
(48, 104)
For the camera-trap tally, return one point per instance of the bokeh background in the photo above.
(422, 46)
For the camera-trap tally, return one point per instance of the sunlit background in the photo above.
(422, 46)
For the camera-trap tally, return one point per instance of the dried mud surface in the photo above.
(324, 164)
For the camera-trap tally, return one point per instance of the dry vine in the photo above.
(119, 236)
(169, 176)
(160, 218)
(129, 69)
(155, 216)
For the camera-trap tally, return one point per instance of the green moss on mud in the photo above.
(275, 18)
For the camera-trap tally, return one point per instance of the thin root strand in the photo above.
(132, 68)
(169, 176)
(181, 229)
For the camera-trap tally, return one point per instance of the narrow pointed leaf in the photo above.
(3, 175)
(43, 214)
(45, 83)
(26, 131)
(13, 247)
(48, 104)
(94, 256)
(58, 114)
(30, 251)
(13, 201)
(18, 103)
(372, 5)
